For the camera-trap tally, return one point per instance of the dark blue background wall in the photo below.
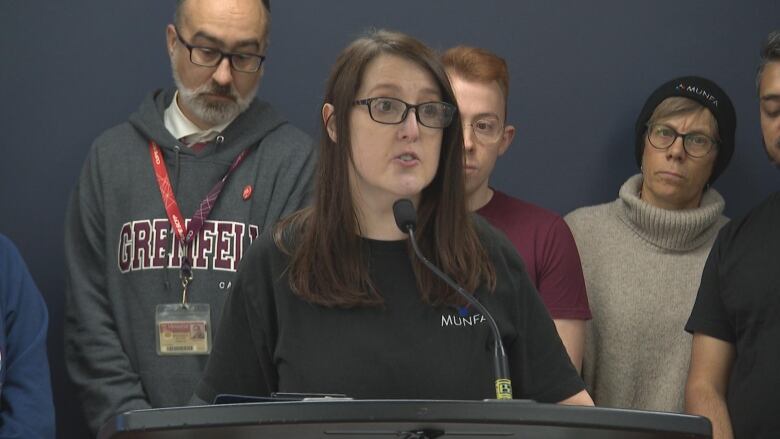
(580, 73)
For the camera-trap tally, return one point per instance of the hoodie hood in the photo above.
(246, 130)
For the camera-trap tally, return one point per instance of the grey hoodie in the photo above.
(122, 260)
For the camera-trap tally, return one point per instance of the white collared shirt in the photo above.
(184, 129)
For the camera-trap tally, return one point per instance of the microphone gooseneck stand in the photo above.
(406, 219)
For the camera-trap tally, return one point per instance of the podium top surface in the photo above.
(411, 419)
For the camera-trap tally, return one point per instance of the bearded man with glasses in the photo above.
(167, 204)
(480, 80)
(643, 254)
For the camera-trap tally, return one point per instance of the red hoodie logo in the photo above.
(247, 194)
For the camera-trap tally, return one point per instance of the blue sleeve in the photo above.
(25, 386)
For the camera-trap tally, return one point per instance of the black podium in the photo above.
(405, 419)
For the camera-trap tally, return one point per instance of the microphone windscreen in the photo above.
(405, 215)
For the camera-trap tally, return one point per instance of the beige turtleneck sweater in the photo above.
(642, 268)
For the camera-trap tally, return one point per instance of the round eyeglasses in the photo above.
(487, 130)
(393, 111)
(695, 144)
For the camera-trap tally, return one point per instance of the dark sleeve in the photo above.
(96, 361)
(241, 360)
(546, 373)
(709, 314)
(27, 407)
(540, 367)
(560, 280)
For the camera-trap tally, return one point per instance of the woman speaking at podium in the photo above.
(333, 299)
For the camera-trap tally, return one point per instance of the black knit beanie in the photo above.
(709, 95)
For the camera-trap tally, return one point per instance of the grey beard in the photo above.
(213, 113)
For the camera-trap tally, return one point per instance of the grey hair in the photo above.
(770, 52)
(266, 3)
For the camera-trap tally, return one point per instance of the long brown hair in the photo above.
(327, 261)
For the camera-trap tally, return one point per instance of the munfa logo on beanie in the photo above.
(692, 89)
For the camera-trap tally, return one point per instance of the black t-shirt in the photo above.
(739, 302)
(272, 341)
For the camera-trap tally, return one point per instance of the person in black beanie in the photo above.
(643, 253)
(708, 95)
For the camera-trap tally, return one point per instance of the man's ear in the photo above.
(328, 110)
(506, 139)
(170, 39)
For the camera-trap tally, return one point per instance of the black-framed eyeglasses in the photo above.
(695, 144)
(487, 129)
(393, 111)
(211, 57)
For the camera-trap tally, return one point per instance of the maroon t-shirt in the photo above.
(547, 248)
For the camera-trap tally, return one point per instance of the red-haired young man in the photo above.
(480, 80)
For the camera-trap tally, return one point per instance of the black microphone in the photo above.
(406, 219)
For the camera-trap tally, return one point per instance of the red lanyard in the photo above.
(184, 233)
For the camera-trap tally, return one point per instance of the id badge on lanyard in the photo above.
(185, 328)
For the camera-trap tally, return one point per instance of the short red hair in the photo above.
(475, 64)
